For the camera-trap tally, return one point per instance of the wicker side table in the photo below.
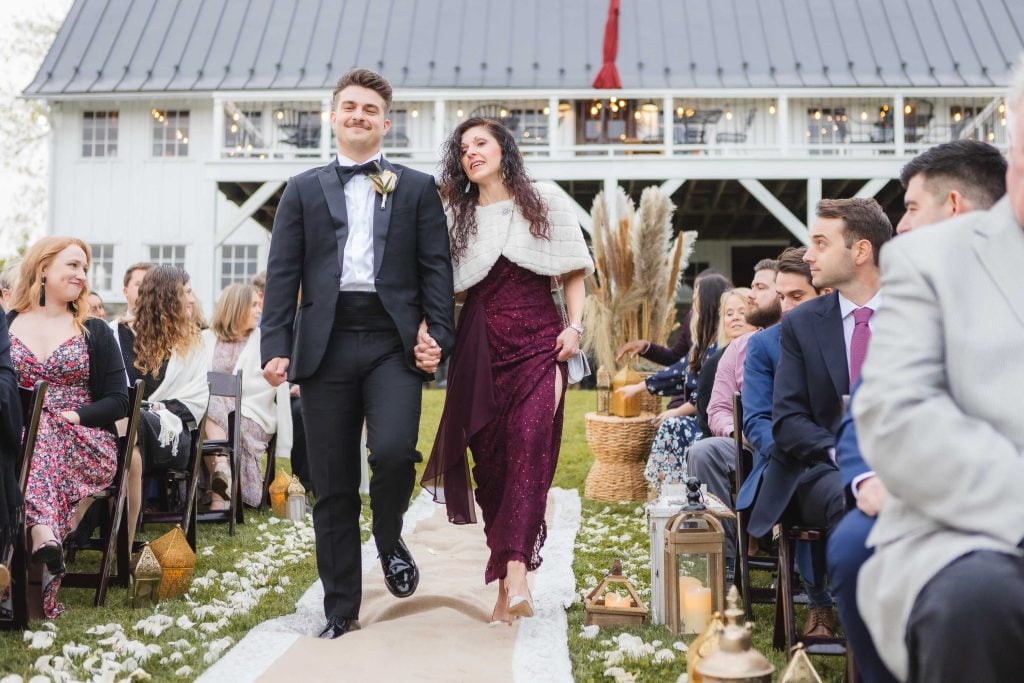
(621, 446)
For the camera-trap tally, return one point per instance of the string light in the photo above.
(459, 113)
(817, 116)
(957, 116)
(280, 115)
(907, 109)
(414, 113)
(771, 109)
(728, 116)
(234, 128)
(234, 117)
(863, 116)
(546, 110)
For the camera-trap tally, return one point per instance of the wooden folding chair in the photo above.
(15, 555)
(226, 385)
(114, 537)
(186, 513)
(745, 563)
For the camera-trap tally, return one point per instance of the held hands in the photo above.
(567, 344)
(871, 496)
(276, 371)
(632, 348)
(426, 351)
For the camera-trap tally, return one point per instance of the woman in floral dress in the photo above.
(75, 453)
(233, 343)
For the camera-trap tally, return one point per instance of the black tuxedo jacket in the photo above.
(810, 381)
(411, 257)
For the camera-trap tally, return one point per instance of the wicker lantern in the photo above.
(279, 493)
(146, 574)
(694, 568)
(606, 607)
(604, 390)
(178, 562)
(295, 506)
(735, 661)
(620, 405)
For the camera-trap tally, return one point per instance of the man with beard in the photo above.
(713, 459)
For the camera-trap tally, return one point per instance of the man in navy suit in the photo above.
(822, 346)
(946, 181)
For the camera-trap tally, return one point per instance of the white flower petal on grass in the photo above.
(154, 625)
(184, 672)
(50, 626)
(39, 640)
(73, 651)
(680, 645)
(614, 657)
(279, 590)
(40, 679)
(683, 678)
(285, 580)
(274, 520)
(12, 678)
(664, 655)
(104, 629)
(590, 632)
(207, 551)
(184, 623)
(129, 665)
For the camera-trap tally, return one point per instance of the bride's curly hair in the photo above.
(461, 203)
(163, 324)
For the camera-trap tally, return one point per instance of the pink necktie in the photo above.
(859, 343)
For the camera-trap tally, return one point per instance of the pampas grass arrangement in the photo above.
(637, 263)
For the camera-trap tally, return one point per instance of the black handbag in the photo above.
(156, 457)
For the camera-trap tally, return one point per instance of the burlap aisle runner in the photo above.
(438, 634)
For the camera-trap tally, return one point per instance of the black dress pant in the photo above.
(300, 463)
(967, 623)
(363, 375)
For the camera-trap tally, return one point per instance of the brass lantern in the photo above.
(295, 506)
(799, 669)
(735, 661)
(694, 573)
(619, 405)
(146, 574)
(177, 562)
(279, 493)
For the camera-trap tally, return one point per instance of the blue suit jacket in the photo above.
(811, 378)
(848, 456)
(758, 382)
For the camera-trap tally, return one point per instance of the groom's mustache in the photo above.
(358, 125)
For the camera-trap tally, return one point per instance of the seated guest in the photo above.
(52, 338)
(96, 309)
(132, 279)
(822, 347)
(233, 343)
(8, 278)
(663, 355)
(938, 420)
(732, 324)
(713, 459)
(10, 438)
(948, 180)
(680, 426)
(259, 281)
(161, 346)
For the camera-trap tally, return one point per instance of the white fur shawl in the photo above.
(497, 235)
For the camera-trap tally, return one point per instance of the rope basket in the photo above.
(621, 446)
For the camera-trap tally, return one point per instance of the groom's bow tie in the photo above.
(346, 172)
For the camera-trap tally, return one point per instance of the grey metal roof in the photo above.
(202, 45)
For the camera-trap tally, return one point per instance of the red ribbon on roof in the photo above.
(608, 77)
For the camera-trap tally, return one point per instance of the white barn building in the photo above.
(176, 123)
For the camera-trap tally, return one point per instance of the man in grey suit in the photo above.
(938, 418)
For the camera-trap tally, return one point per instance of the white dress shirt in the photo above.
(846, 309)
(357, 266)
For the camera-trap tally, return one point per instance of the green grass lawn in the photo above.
(591, 561)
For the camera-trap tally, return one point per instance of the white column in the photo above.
(897, 126)
(813, 197)
(325, 128)
(611, 187)
(439, 124)
(782, 124)
(668, 123)
(553, 127)
(218, 127)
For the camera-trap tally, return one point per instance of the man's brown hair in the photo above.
(364, 78)
(792, 261)
(142, 265)
(863, 219)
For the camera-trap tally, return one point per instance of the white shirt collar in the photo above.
(345, 161)
(846, 307)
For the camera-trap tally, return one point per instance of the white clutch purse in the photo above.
(579, 366)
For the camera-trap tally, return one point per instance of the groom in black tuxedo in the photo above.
(366, 244)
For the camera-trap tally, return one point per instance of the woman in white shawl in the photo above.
(510, 238)
(231, 344)
(161, 346)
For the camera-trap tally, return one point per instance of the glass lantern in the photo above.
(694, 565)
(295, 507)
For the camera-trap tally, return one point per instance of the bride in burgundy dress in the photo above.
(507, 374)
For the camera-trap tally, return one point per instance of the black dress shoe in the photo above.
(400, 573)
(337, 627)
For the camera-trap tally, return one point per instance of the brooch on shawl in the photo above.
(384, 183)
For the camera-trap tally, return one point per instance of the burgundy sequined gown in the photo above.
(501, 403)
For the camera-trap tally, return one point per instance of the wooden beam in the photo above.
(776, 208)
(813, 197)
(250, 206)
(871, 188)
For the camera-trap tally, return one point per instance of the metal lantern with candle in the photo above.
(279, 494)
(607, 607)
(735, 661)
(295, 508)
(694, 565)
(146, 574)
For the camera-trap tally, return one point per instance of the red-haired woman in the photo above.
(54, 339)
(507, 375)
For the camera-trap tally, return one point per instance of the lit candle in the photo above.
(696, 609)
(613, 599)
(686, 583)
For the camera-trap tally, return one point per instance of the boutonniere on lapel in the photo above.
(384, 182)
